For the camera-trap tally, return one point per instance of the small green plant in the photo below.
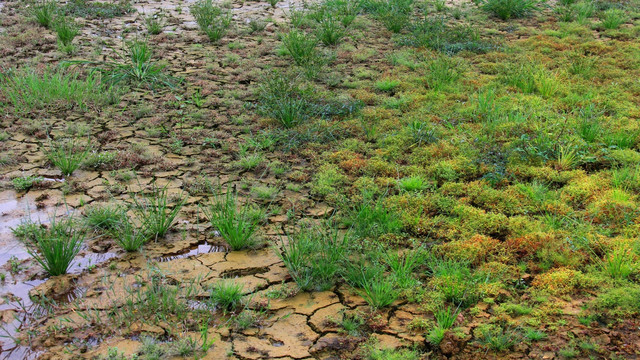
(496, 337)
(387, 85)
(413, 184)
(234, 222)
(534, 335)
(511, 9)
(154, 23)
(351, 323)
(155, 212)
(212, 20)
(54, 247)
(44, 11)
(24, 183)
(256, 26)
(619, 263)
(226, 294)
(67, 154)
(370, 219)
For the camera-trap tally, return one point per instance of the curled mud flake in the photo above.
(323, 320)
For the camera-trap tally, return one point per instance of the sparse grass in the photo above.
(154, 23)
(135, 67)
(511, 9)
(28, 90)
(96, 9)
(213, 20)
(55, 246)
(233, 220)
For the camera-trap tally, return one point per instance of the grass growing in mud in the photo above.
(459, 175)
(55, 246)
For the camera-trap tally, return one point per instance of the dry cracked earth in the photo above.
(297, 327)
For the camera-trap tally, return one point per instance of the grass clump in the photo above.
(313, 256)
(226, 294)
(511, 9)
(212, 19)
(54, 246)
(155, 212)
(44, 12)
(280, 97)
(235, 222)
(613, 18)
(128, 236)
(370, 219)
(66, 30)
(67, 155)
(104, 217)
(154, 23)
(301, 47)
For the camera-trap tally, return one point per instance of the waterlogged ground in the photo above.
(488, 160)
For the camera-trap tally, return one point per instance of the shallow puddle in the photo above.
(202, 247)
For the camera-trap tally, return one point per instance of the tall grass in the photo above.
(54, 247)
(234, 221)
